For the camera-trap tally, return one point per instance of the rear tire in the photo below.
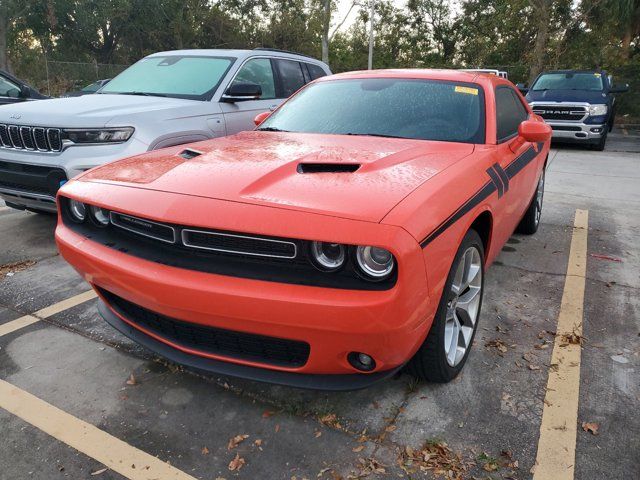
(531, 219)
(446, 348)
(599, 146)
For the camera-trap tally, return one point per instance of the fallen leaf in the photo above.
(358, 449)
(590, 427)
(318, 433)
(237, 463)
(132, 380)
(390, 428)
(98, 472)
(277, 429)
(235, 441)
(533, 367)
(205, 451)
(258, 442)
(267, 413)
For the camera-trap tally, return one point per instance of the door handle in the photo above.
(273, 107)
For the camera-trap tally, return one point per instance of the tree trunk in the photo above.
(541, 9)
(326, 24)
(4, 26)
(626, 43)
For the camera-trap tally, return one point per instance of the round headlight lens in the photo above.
(100, 215)
(78, 210)
(375, 262)
(328, 256)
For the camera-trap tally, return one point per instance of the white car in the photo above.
(165, 99)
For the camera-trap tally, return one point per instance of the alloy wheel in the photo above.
(463, 306)
(539, 197)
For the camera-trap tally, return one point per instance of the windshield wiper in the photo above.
(142, 94)
(374, 135)
(271, 129)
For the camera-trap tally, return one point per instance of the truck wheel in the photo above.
(446, 348)
(599, 147)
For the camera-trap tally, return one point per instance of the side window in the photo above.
(291, 76)
(8, 89)
(258, 71)
(509, 113)
(315, 71)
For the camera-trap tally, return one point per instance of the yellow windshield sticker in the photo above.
(469, 90)
(597, 75)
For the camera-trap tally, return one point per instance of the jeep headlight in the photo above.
(595, 110)
(99, 135)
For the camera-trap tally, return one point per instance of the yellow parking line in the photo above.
(27, 320)
(112, 452)
(557, 444)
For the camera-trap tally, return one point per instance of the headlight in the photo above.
(99, 135)
(595, 110)
(376, 263)
(328, 256)
(100, 216)
(78, 210)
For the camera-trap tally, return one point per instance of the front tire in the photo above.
(599, 146)
(446, 348)
(531, 220)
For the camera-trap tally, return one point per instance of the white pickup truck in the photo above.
(165, 99)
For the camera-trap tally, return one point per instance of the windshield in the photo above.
(569, 81)
(93, 87)
(404, 108)
(189, 77)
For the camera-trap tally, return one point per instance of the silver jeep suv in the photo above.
(165, 99)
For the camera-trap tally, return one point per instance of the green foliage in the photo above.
(519, 36)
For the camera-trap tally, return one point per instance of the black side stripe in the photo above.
(495, 178)
(511, 171)
(503, 176)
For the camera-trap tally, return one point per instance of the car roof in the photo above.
(236, 53)
(423, 73)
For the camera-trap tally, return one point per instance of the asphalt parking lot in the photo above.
(78, 400)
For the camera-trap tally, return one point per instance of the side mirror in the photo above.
(523, 88)
(619, 88)
(241, 92)
(530, 131)
(25, 92)
(261, 117)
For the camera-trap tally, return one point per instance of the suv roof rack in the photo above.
(265, 49)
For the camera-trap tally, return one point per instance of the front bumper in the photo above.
(31, 178)
(576, 132)
(388, 325)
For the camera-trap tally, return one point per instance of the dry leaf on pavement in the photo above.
(205, 451)
(132, 380)
(590, 427)
(237, 463)
(235, 441)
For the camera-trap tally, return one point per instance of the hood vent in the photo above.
(328, 167)
(188, 154)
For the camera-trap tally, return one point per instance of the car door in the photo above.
(9, 91)
(513, 190)
(239, 116)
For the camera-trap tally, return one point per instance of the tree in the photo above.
(10, 10)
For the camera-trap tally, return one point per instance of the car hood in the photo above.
(99, 110)
(567, 96)
(367, 176)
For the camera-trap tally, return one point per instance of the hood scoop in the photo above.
(189, 153)
(327, 167)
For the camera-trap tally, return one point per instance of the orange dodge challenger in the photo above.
(344, 238)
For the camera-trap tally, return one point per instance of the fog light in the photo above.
(596, 130)
(78, 210)
(361, 361)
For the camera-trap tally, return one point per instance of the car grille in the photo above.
(31, 178)
(21, 137)
(558, 112)
(212, 340)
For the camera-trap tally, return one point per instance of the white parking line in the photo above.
(557, 444)
(112, 452)
(46, 312)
